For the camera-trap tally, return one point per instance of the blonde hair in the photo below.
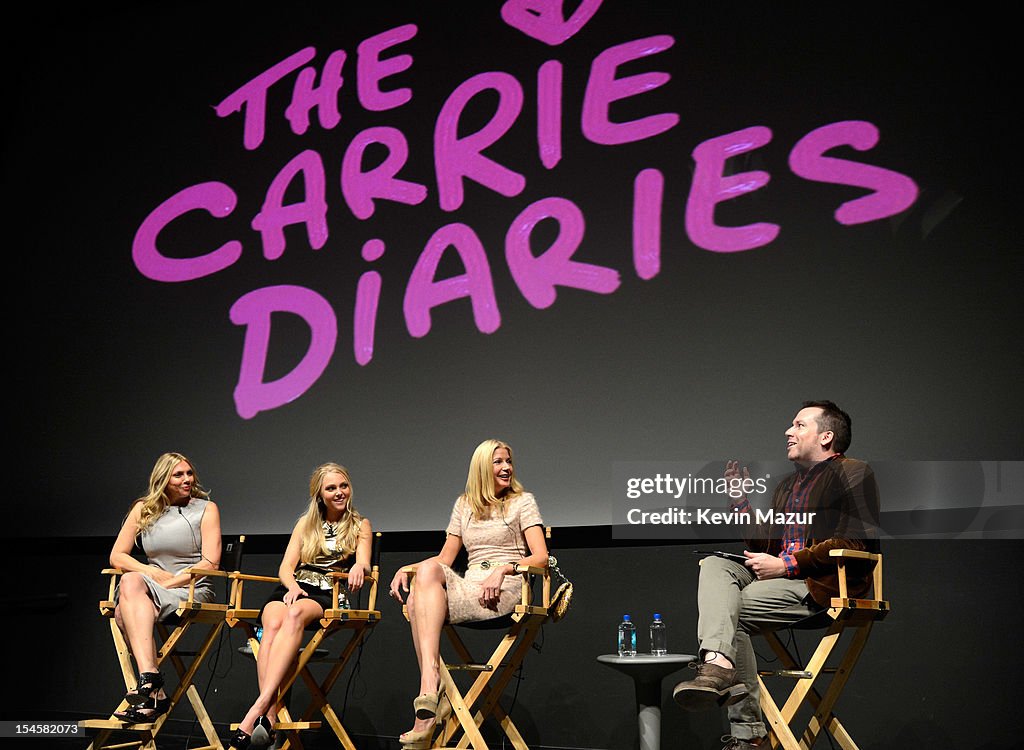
(314, 540)
(479, 493)
(154, 502)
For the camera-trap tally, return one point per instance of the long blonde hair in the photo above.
(154, 502)
(479, 493)
(314, 540)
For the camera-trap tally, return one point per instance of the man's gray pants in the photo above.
(733, 604)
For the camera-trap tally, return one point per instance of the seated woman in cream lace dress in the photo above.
(500, 525)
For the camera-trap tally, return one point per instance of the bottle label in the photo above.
(627, 640)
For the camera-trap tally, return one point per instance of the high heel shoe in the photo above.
(262, 733)
(433, 705)
(262, 736)
(145, 713)
(149, 683)
(418, 740)
(240, 741)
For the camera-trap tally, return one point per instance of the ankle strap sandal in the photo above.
(149, 684)
(145, 713)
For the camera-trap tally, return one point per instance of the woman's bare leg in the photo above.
(428, 609)
(277, 655)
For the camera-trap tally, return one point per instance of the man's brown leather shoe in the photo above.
(735, 743)
(713, 686)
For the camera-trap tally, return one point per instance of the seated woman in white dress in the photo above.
(178, 527)
(330, 531)
(501, 527)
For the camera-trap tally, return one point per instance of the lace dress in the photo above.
(499, 539)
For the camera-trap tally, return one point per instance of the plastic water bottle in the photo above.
(246, 647)
(627, 637)
(659, 639)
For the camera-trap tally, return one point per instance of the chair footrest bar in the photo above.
(289, 725)
(797, 674)
(114, 724)
(469, 667)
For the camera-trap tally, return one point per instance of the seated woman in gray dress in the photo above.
(498, 522)
(330, 531)
(178, 527)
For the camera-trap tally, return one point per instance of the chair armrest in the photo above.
(527, 590)
(533, 570)
(191, 571)
(236, 611)
(336, 578)
(203, 572)
(372, 578)
(843, 555)
(252, 577)
(109, 603)
(860, 555)
(194, 575)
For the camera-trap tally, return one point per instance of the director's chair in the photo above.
(481, 700)
(844, 614)
(185, 663)
(359, 622)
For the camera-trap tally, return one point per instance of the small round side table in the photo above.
(647, 672)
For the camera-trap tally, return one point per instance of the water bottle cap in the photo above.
(657, 617)
(625, 618)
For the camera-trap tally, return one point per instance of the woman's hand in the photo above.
(355, 577)
(159, 575)
(293, 595)
(399, 584)
(490, 588)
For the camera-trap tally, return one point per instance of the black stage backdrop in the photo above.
(379, 233)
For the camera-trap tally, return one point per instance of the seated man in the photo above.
(788, 574)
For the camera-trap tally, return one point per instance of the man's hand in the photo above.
(735, 478)
(764, 565)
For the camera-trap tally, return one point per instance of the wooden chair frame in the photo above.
(481, 700)
(856, 615)
(189, 613)
(360, 622)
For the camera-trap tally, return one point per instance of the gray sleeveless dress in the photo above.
(173, 542)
